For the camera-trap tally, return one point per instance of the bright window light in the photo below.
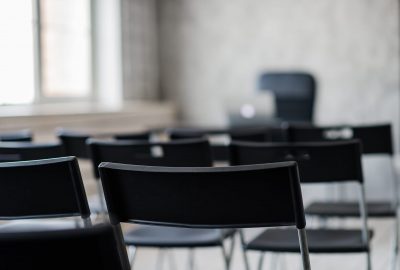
(16, 52)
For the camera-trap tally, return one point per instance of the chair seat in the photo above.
(350, 209)
(37, 225)
(319, 241)
(157, 236)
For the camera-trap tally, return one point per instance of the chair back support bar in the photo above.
(318, 162)
(184, 153)
(41, 189)
(98, 247)
(376, 139)
(237, 197)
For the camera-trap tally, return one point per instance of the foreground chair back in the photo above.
(207, 197)
(24, 135)
(42, 189)
(321, 162)
(19, 151)
(98, 247)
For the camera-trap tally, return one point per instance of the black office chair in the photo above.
(204, 198)
(42, 189)
(22, 151)
(221, 151)
(294, 94)
(24, 135)
(325, 162)
(376, 140)
(74, 142)
(98, 247)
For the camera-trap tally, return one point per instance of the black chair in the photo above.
(133, 136)
(24, 135)
(221, 151)
(376, 140)
(204, 198)
(22, 151)
(294, 94)
(74, 142)
(325, 162)
(42, 189)
(98, 247)
(182, 153)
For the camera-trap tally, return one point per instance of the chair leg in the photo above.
(228, 256)
(369, 266)
(243, 245)
(261, 261)
(132, 255)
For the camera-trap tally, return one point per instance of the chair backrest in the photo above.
(183, 153)
(24, 135)
(41, 189)
(98, 247)
(142, 136)
(318, 162)
(376, 139)
(74, 143)
(214, 197)
(294, 94)
(19, 151)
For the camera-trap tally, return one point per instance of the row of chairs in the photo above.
(256, 153)
(141, 194)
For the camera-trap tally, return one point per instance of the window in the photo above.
(48, 57)
(16, 52)
(65, 46)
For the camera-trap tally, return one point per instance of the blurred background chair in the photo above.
(42, 189)
(294, 94)
(376, 140)
(180, 153)
(327, 163)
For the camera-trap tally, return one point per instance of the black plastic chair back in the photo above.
(42, 189)
(221, 152)
(183, 153)
(318, 162)
(74, 143)
(376, 139)
(16, 136)
(98, 247)
(19, 151)
(217, 197)
(294, 94)
(141, 136)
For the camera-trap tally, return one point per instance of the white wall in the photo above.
(216, 48)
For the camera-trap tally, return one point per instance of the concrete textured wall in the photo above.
(211, 49)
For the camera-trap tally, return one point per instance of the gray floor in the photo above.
(210, 258)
